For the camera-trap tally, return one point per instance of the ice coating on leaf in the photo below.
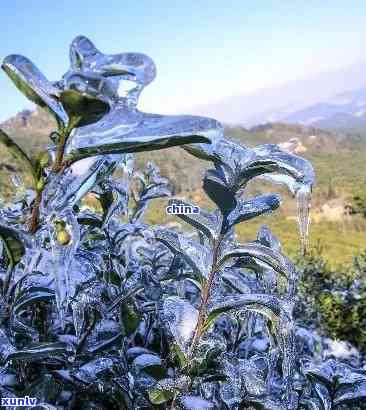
(92, 370)
(265, 255)
(34, 84)
(267, 238)
(206, 222)
(236, 165)
(294, 170)
(64, 263)
(231, 390)
(197, 256)
(252, 377)
(252, 208)
(268, 305)
(146, 360)
(124, 130)
(6, 348)
(41, 350)
(195, 403)
(239, 164)
(69, 188)
(181, 319)
(88, 298)
(136, 67)
(355, 393)
(179, 383)
(147, 186)
(324, 395)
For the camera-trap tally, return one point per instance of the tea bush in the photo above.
(102, 311)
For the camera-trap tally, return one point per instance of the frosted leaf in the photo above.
(237, 281)
(268, 305)
(63, 260)
(133, 352)
(6, 348)
(91, 371)
(38, 351)
(195, 403)
(34, 85)
(106, 334)
(353, 392)
(298, 170)
(206, 222)
(263, 254)
(322, 372)
(117, 68)
(245, 210)
(198, 256)
(181, 319)
(267, 238)
(146, 360)
(252, 377)
(324, 396)
(68, 189)
(123, 130)
(179, 383)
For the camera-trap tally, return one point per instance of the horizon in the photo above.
(224, 52)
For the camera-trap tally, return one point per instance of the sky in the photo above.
(204, 50)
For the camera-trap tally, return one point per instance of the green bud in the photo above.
(63, 237)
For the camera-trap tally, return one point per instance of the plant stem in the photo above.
(206, 290)
(33, 223)
(57, 166)
(64, 134)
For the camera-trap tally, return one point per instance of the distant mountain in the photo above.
(279, 103)
(346, 111)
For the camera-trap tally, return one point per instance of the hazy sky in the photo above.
(204, 50)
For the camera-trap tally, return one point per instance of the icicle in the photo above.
(303, 197)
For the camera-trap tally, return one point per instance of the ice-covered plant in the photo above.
(99, 310)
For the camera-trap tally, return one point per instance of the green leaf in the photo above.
(267, 305)
(179, 355)
(41, 351)
(351, 393)
(268, 256)
(158, 396)
(34, 85)
(158, 372)
(18, 154)
(82, 109)
(13, 240)
(130, 318)
(32, 295)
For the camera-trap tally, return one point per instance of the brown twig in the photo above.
(206, 291)
(33, 222)
(64, 134)
(57, 166)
